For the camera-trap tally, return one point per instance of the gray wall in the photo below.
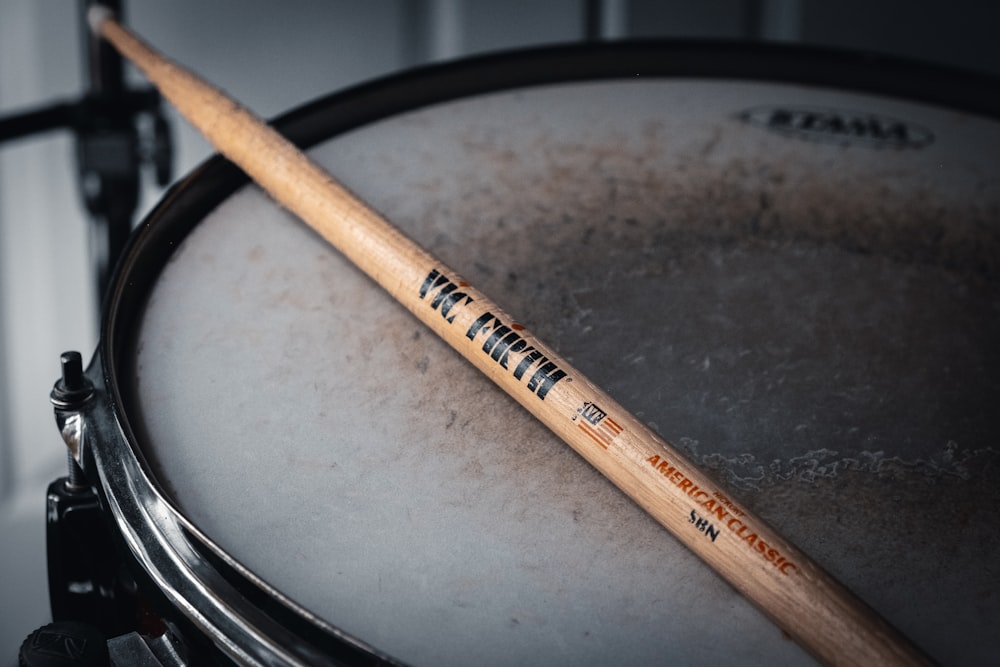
(274, 56)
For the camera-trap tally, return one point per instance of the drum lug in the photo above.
(86, 582)
(71, 392)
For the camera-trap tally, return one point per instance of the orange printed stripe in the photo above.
(594, 435)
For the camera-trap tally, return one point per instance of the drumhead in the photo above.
(792, 278)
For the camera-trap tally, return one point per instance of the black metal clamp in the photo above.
(118, 132)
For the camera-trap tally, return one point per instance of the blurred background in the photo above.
(274, 56)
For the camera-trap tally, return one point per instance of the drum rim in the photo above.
(192, 198)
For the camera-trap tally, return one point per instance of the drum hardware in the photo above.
(135, 649)
(92, 592)
(76, 644)
(73, 388)
(64, 643)
(172, 568)
(119, 132)
(87, 581)
(116, 136)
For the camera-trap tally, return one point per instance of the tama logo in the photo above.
(839, 126)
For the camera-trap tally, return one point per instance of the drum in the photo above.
(785, 261)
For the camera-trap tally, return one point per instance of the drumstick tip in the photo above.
(96, 16)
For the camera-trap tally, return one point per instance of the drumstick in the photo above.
(802, 599)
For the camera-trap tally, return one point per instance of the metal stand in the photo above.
(118, 131)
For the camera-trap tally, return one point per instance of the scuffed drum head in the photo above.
(795, 285)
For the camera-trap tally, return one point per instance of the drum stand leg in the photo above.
(118, 131)
(91, 591)
(86, 579)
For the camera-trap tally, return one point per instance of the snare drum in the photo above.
(785, 261)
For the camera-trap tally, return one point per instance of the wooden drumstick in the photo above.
(797, 594)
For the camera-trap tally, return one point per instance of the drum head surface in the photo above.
(795, 285)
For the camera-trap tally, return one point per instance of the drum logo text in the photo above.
(447, 295)
(501, 342)
(839, 126)
(704, 525)
(716, 507)
(594, 422)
